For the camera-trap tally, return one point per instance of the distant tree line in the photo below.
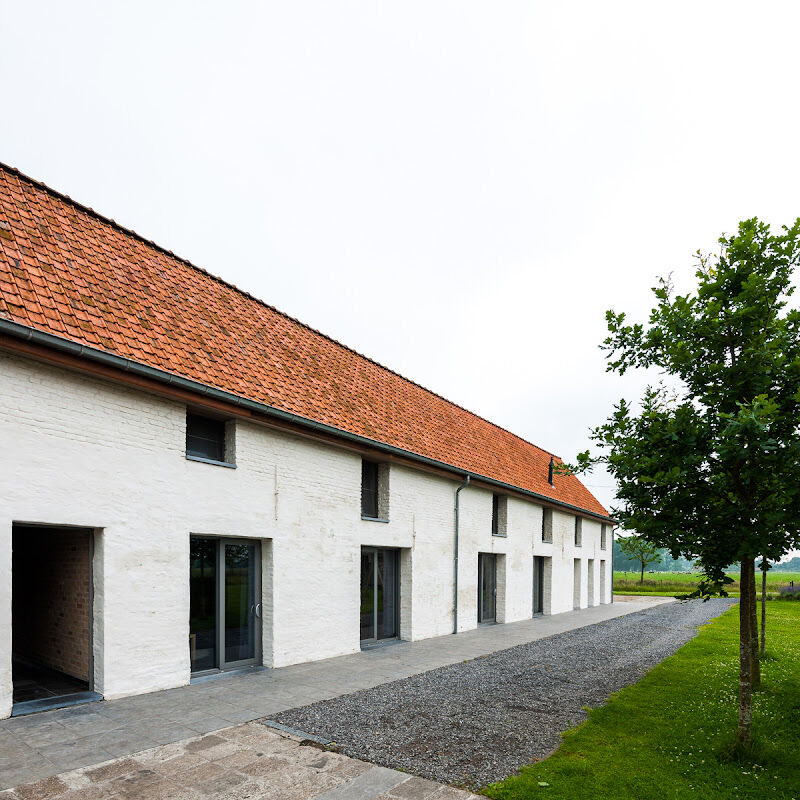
(624, 563)
(793, 565)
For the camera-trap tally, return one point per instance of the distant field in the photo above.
(671, 583)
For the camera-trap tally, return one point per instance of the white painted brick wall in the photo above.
(80, 451)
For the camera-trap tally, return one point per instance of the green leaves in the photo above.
(712, 471)
(639, 548)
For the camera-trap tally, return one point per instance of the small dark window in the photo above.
(603, 533)
(369, 489)
(547, 524)
(205, 437)
(578, 532)
(499, 515)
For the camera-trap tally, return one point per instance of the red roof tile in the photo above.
(68, 271)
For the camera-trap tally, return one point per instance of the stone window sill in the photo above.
(373, 519)
(211, 461)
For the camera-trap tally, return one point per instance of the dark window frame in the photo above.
(207, 439)
(370, 489)
(547, 525)
(499, 515)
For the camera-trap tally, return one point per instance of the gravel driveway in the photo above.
(476, 722)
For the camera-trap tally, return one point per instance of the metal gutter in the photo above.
(455, 559)
(61, 344)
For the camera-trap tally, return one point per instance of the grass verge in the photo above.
(667, 735)
(628, 592)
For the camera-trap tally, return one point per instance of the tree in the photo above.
(637, 547)
(709, 465)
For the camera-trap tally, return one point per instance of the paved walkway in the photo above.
(244, 762)
(41, 745)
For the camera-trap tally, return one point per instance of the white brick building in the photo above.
(227, 501)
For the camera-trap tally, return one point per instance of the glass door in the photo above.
(487, 587)
(367, 594)
(225, 603)
(242, 594)
(386, 616)
(203, 604)
(379, 594)
(538, 584)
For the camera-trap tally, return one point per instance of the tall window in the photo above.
(205, 438)
(603, 534)
(369, 489)
(547, 524)
(578, 531)
(499, 514)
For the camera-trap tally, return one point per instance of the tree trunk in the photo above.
(745, 655)
(642, 579)
(753, 603)
(763, 605)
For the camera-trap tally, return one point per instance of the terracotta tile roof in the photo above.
(68, 271)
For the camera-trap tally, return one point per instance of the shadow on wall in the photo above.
(51, 598)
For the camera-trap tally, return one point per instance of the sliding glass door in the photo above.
(225, 603)
(379, 594)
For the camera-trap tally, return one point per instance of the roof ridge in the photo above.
(130, 232)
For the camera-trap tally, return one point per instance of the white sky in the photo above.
(456, 189)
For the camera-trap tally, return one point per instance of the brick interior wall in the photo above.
(51, 596)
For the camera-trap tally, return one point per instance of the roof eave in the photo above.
(49, 340)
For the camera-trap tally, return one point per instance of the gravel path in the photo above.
(476, 722)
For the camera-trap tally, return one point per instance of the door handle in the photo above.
(258, 610)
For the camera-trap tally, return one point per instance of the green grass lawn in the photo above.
(663, 737)
(675, 583)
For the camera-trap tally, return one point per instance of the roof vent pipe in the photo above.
(455, 561)
(550, 472)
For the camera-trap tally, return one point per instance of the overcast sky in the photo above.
(456, 189)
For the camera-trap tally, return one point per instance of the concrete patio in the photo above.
(41, 745)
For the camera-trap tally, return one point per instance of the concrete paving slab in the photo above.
(367, 786)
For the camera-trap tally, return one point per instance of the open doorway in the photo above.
(51, 617)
